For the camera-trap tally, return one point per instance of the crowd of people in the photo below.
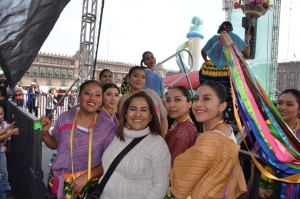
(139, 142)
(173, 157)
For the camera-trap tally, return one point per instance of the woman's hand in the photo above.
(11, 126)
(248, 38)
(15, 131)
(46, 123)
(265, 193)
(78, 184)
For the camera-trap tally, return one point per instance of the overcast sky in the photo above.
(131, 27)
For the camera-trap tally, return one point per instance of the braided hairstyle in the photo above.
(225, 26)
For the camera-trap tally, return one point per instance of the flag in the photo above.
(24, 27)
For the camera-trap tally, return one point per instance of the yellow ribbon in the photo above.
(290, 179)
(90, 146)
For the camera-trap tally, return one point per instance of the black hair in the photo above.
(135, 68)
(184, 91)
(218, 88)
(143, 58)
(153, 124)
(187, 94)
(225, 26)
(50, 90)
(103, 71)
(221, 92)
(82, 86)
(4, 82)
(110, 85)
(294, 92)
(3, 91)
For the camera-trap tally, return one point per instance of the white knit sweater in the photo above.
(143, 172)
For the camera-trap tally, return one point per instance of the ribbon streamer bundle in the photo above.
(280, 147)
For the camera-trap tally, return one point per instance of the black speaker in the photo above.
(253, 30)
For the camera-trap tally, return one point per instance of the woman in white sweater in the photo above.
(143, 172)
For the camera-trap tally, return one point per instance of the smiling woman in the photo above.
(154, 80)
(137, 78)
(143, 172)
(80, 138)
(111, 96)
(210, 168)
(288, 105)
(105, 76)
(183, 132)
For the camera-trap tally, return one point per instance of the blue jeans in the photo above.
(3, 171)
(2, 192)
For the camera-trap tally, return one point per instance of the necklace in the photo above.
(220, 122)
(174, 123)
(129, 93)
(114, 115)
(91, 130)
(295, 128)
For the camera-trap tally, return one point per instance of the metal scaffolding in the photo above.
(228, 7)
(274, 50)
(87, 39)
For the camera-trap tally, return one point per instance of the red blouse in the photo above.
(180, 138)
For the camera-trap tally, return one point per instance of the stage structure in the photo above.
(264, 65)
(228, 7)
(275, 43)
(87, 39)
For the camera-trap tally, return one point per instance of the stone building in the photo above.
(288, 76)
(60, 71)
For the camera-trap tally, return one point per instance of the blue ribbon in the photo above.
(272, 158)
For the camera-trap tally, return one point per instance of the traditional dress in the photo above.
(143, 172)
(280, 148)
(180, 138)
(114, 117)
(154, 81)
(267, 183)
(125, 85)
(209, 169)
(216, 68)
(61, 178)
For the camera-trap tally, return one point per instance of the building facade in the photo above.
(288, 76)
(60, 71)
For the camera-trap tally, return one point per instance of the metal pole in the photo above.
(98, 39)
(160, 63)
(187, 76)
(63, 97)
